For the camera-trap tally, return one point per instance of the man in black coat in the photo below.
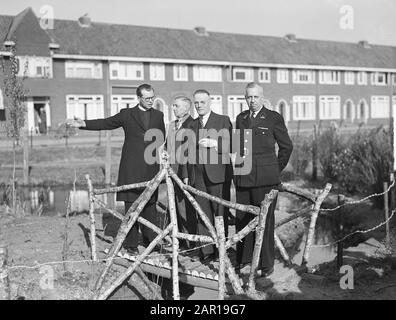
(267, 129)
(133, 166)
(211, 171)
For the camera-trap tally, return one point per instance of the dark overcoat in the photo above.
(133, 166)
(266, 129)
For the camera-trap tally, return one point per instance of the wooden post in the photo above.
(4, 281)
(340, 222)
(265, 204)
(131, 269)
(92, 218)
(312, 225)
(282, 250)
(175, 241)
(219, 224)
(25, 145)
(386, 209)
(315, 154)
(130, 218)
(392, 192)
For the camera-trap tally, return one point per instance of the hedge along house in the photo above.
(88, 69)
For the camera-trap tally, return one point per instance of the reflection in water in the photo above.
(53, 201)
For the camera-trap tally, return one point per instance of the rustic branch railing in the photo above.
(216, 234)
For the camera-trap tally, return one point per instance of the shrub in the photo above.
(301, 156)
(360, 164)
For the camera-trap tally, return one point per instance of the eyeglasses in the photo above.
(147, 99)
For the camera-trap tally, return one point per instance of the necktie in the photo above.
(201, 124)
(177, 122)
(252, 115)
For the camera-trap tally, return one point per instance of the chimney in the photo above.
(201, 31)
(291, 37)
(84, 21)
(364, 44)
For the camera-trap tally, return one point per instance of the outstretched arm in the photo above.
(109, 123)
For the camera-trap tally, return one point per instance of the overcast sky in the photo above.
(340, 20)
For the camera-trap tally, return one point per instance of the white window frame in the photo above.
(44, 63)
(311, 108)
(130, 70)
(329, 77)
(73, 99)
(282, 75)
(123, 101)
(375, 78)
(157, 71)
(180, 72)
(329, 107)
(309, 73)
(232, 101)
(264, 75)
(362, 78)
(204, 73)
(74, 65)
(349, 77)
(393, 78)
(1, 100)
(380, 107)
(249, 74)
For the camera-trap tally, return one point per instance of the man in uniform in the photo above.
(267, 129)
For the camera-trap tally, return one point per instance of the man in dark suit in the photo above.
(212, 170)
(176, 140)
(133, 167)
(267, 129)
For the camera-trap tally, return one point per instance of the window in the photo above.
(378, 78)
(35, 67)
(2, 109)
(84, 106)
(157, 71)
(217, 104)
(236, 104)
(180, 72)
(207, 73)
(264, 75)
(84, 70)
(329, 107)
(349, 77)
(119, 102)
(329, 77)
(126, 71)
(282, 75)
(303, 76)
(380, 107)
(304, 108)
(242, 74)
(393, 76)
(362, 78)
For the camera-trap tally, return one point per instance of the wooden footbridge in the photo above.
(177, 265)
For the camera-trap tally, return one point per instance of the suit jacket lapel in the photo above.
(135, 115)
(210, 124)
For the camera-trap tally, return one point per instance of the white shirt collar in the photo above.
(256, 112)
(141, 108)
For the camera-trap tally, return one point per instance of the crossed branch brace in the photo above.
(171, 233)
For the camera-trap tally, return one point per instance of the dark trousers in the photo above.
(210, 208)
(186, 216)
(254, 196)
(149, 213)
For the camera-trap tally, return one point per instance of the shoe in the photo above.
(265, 272)
(207, 259)
(132, 251)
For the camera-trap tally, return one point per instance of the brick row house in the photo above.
(91, 70)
